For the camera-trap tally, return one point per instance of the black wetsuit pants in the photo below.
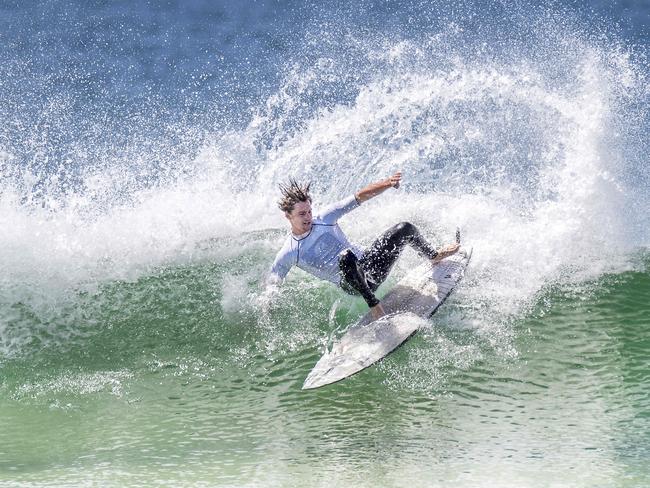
(363, 276)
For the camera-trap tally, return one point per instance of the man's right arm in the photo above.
(280, 268)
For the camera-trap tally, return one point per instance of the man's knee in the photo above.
(347, 259)
(406, 229)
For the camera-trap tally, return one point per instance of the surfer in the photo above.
(319, 246)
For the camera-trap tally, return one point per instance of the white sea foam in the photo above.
(532, 166)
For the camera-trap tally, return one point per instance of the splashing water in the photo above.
(528, 147)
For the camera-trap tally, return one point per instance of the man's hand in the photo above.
(446, 251)
(265, 300)
(395, 179)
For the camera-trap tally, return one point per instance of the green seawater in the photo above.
(175, 379)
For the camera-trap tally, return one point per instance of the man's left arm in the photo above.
(374, 189)
(334, 212)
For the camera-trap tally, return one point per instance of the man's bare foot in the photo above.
(446, 251)
(377, 311)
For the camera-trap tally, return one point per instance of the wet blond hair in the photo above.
(292, 193)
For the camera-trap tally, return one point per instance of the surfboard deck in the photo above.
(417, 296)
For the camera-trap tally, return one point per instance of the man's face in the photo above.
(300, 218)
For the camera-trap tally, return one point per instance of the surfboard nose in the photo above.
(362, 346)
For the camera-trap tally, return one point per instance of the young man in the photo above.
(319, 246)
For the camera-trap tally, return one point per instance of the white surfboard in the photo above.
(416, 296)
